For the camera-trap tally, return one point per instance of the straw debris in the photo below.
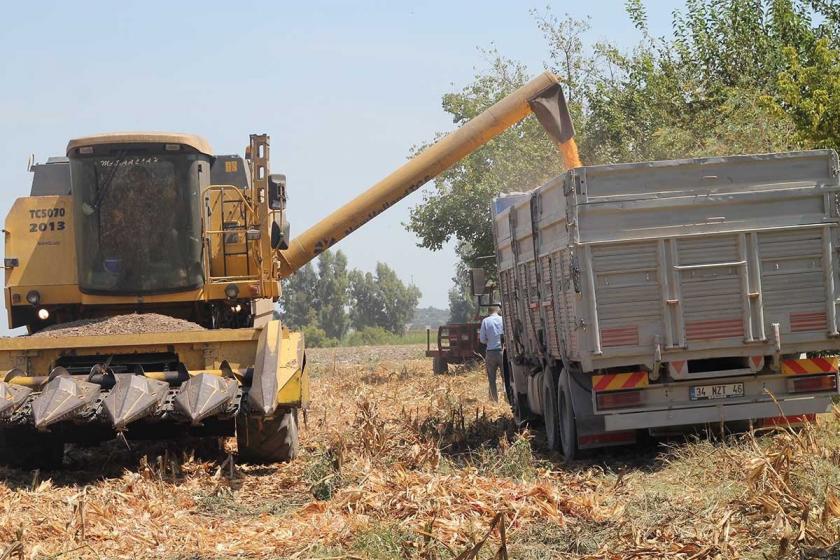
(399, 463)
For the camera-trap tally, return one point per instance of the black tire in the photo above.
(568, 426)
(440, 365)
(551, 414)
(521, 410)
(28, 449)
(508, 382)
(267, 440)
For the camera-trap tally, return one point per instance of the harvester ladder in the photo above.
(239, 212)
(245, 210)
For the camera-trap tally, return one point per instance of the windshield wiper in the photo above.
(102, 190)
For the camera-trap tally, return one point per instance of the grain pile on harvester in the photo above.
(157, 223)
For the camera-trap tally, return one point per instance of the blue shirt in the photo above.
(491, 332)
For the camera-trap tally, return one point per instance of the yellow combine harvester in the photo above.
(156, 223)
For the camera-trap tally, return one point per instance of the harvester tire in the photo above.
(28, 449)
(267, 440)
(440, 365)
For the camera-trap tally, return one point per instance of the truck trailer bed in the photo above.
(666, 273)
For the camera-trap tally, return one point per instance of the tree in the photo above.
(462, 304)
(734, 76)
(296, 303)
(331, 294)
(366, 300)
(811, 94)
(519, 159)
(381, 300)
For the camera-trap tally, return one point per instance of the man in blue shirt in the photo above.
(490, 334)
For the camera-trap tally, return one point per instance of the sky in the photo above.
(345, 89)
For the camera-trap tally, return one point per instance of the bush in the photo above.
(370, 336)
(315, 337)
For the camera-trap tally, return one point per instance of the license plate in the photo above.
(723, 391)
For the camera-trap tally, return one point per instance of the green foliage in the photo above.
(429, 317)
(462, 304)
(298, 290)
(318, 299)
(370, 336)
(331, 294)
(734, 76)
(517, 160)
(382, 300)
(315, 337)
(811, 94)
(323, 473)
(323, 303)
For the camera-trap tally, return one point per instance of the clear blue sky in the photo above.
(344, 88)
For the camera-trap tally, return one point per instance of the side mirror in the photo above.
(478, 282)
(280, 233)
(277, 191)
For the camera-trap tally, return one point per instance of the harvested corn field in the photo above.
(134, 323)
(399, 463)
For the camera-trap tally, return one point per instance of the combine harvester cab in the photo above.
(670, 294)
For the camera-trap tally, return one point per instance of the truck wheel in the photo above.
(440, 365)
(28, 449)
(568, 429)
(267, 440)
(551, 411)
(508, 382)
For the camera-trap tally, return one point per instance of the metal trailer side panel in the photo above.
(526, 276)
(505, 263)
(513, 302)
(707, 274)
(674, 178)
(557, 293)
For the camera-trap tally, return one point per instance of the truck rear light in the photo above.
(796, 420)
(619, 399)
(813, 384)
(607, 438)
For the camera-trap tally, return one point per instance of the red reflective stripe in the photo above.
(633, 380)
(604, 382)
(824, 364)
(794, 365)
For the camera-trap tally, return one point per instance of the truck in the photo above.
(658, 296)
(158, 223)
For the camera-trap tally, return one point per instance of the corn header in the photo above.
(156, 223)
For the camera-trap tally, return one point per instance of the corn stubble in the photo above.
(399, 463)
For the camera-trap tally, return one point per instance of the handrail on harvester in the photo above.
(543, 96)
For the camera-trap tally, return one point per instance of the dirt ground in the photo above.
(399, 463)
